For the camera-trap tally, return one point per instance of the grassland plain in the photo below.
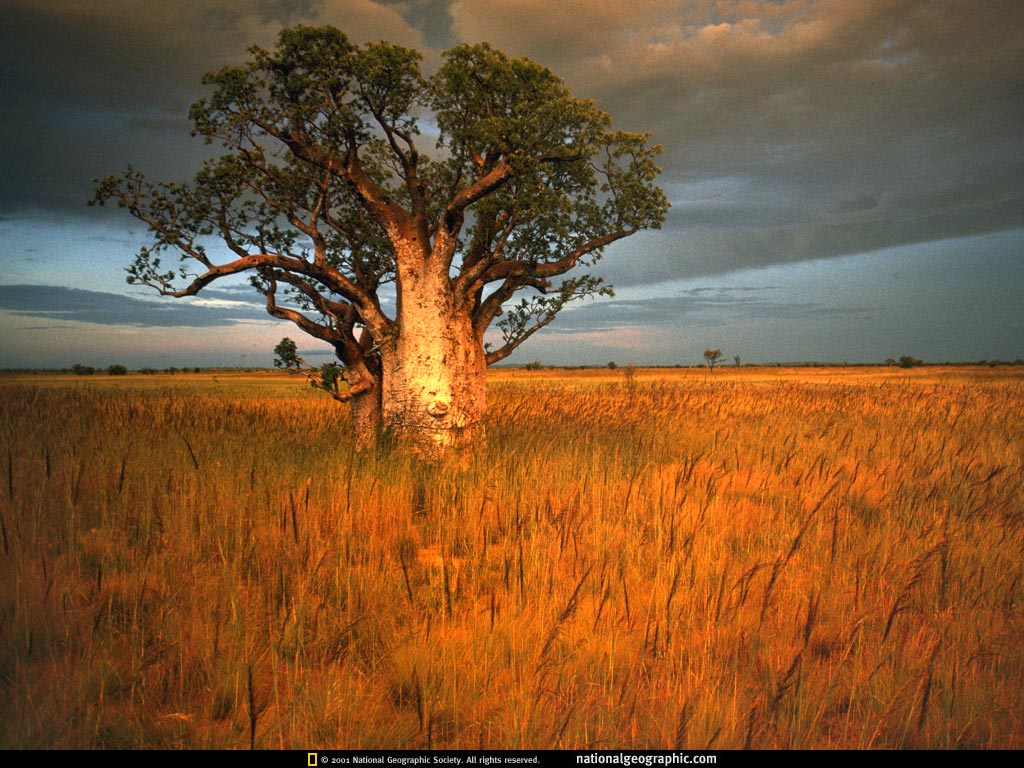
(764, 558)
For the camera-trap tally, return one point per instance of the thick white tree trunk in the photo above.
(434, 371)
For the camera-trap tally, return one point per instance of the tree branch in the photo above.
(509, 347)
(387, 212)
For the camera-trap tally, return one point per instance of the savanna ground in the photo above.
(751, 558)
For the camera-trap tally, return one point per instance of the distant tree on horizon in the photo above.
(712, 356)
(286, 355)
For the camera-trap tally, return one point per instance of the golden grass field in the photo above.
(768, 558)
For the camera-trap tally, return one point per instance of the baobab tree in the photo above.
(327, 200)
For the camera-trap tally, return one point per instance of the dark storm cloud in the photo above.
(91, 86)
(219, 308)
(802, 107)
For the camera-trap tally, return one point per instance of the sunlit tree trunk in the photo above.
(434, 369)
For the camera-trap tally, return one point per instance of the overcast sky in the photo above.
(846, 176)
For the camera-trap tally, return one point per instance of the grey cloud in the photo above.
(431, 17)
(702, 242)
(861, 204)
(287, 11)
(818, 126)
(74, 304)
(695, 308)
(92, 87)
(317, 352)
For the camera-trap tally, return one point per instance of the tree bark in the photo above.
(365, 409)
(433, 384)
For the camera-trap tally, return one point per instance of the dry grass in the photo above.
(815, 558)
